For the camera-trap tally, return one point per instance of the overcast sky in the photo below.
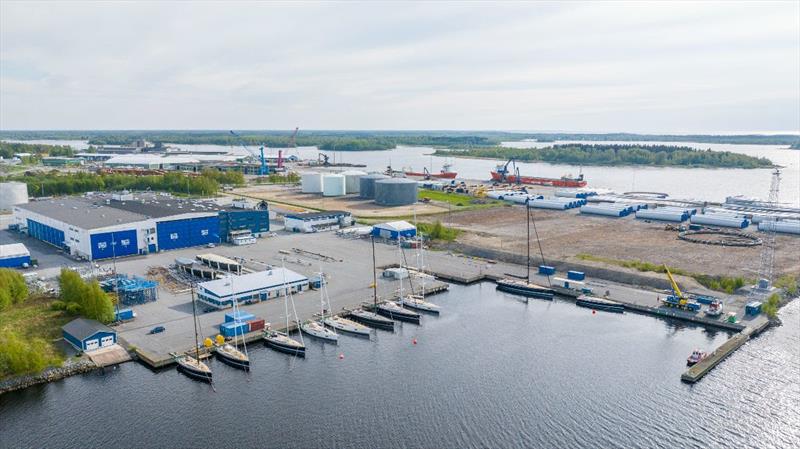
(598, 67)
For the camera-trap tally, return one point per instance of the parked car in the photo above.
(157, 330)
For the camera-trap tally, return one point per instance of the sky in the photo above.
(680, 67)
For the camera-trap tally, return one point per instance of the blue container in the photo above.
(704, 299)
(576, 275)
(753, 308)
(124, 315)
(234, 329)
(693, 306)
(231, 317)
(545, 269)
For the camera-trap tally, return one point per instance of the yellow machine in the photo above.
(675, 289)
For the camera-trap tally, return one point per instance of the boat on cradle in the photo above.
(592, 302)
(417, 302)
(345, 325)
(525, 288)
(696, 356)
(395, 311)
(715, 308)
(232, 356)
(194, 368)
(316, 329)
(281, 342)
(371, 319)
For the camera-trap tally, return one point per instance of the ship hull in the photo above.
(555, 182)
(445, 175)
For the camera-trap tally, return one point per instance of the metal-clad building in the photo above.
(394, 230)
(88, 335)
(250, 288)
(14, 255)
(254, 220)
(318, 221)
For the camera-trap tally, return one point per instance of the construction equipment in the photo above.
(263, 170)
(677, 298)
(292, 139)
(504, 171)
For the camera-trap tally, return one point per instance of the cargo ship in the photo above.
(501, 174)
(444, 173)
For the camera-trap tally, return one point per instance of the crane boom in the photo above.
(263, 169)
(292, 140)
(675, 288)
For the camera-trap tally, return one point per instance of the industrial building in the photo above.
(250, 288)
(318, 221)
(218, 262)
(88, 335)
(394, 230)
(103, 226)
(14, 255)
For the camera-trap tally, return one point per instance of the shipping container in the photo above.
(124, 315)
(257, 324)
(234, 329)
(576, 275)
(546, 269)
(753, 308)
(241, 315)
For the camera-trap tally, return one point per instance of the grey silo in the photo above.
(367, 184)
(395, 192)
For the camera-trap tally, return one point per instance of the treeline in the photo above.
(84, 298)
(749, 139)
(57, 183)
(586, 154)
(37, 150)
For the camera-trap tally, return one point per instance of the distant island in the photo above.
(378, 140)
(618, 154)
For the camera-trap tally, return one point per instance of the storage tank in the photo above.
(352, 181)
(395, 192)
(311, 182)
(367, 184)
(333, 185)
(12, 193)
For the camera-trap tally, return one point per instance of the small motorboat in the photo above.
(417, 302)
(232, 356)
(317, 329)
(715, 308)
(372, 319)
(696, 357)
(281, 342)
(395, 311)
(345, 325)
(194, 368)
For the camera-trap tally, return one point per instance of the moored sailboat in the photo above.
(371, 318)
(316, 328)
(193, 367)
(281, 341)
(227, 353)
(525, 287)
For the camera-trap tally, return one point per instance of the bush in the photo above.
(789, 283)
(18, 356)
(73, 308)
(58, 305)
(87, 299)
(437, 231)
(13, 289)
(770, 306)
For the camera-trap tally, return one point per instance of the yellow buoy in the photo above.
(220, 339)
(207, 342)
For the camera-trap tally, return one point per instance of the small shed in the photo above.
(87, 335)
(394, 230)
(14, 255)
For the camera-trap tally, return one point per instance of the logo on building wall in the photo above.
(173, 236)
(204, 232)
(101, 245)
(125, 242)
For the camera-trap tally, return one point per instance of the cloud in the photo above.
(262, 65)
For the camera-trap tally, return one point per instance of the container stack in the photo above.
(240, 323)
(726, 221)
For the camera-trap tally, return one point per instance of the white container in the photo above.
(311, 182)
(12, 193)
(333, 185)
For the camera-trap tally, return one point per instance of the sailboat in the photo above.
(368, 318)
(281, 341)
(395, 309)
(340, 323)
(193, 366)
(414, 301)
(525, 287)
(316, 328)
(228, 353)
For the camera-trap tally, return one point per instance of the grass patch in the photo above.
(438, 231)
(34, 322)
(789, 283)
(770, 306)
(727, 284)
(459, 201)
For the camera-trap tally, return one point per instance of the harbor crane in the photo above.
(504, 171)
(767, 260)
(262, 170)
(293, 138)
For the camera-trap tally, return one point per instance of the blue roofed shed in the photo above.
(87, 335)
(394, 230)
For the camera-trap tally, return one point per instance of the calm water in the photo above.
(490, 372)
(683, 183)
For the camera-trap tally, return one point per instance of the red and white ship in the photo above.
(444, 173)
(501, 174)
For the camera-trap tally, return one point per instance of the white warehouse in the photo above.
(318, 221)
(250, 288)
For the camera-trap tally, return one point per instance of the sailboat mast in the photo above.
(528, 221)
(194, 315)
(374, 276)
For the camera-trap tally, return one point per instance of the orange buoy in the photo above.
(594, 311)
(341, 356)
(414, 341)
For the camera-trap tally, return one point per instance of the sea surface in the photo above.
(707, 184)
(490, 372)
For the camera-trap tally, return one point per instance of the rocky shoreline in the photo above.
(46, 376)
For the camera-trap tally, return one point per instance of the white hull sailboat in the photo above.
(345, 325)
(315, 329)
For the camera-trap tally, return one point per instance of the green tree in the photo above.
(18, 356)
(13, 289)
(91, 300)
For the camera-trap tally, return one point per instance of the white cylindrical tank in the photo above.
(12, 193)
(333, 185)
(311, 182)
(352, 181)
